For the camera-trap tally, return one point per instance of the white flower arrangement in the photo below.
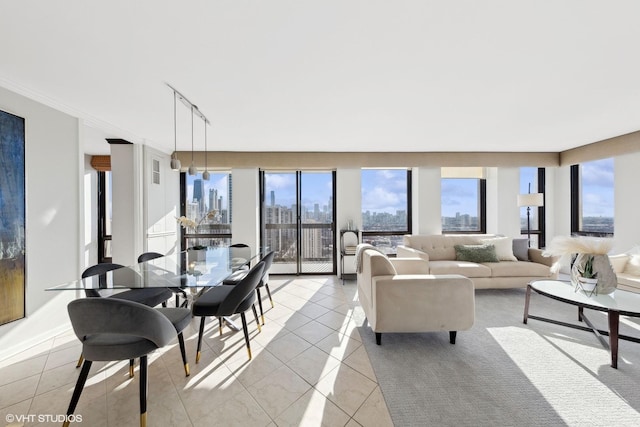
(191, 225)
(565, 247)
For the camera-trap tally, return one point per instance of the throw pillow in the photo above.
(619, 262)
(504, 247)
(521, 249)
(476, 253)
(633, 265)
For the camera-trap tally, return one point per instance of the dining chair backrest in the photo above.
(106, 326)
(240, 251)
(268, 260)
(148, 256)
(244, 289)
(99, 269)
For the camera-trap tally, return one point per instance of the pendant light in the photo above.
(192, 168)
(205, 174)
(175, 163)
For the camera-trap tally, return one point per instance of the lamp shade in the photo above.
(530, 199)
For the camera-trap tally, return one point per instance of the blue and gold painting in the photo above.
(12, 218)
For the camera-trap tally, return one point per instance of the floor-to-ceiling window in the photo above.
(386, 207)
(298, 221)
(208, 207)
(592, 198)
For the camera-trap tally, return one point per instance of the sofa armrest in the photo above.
(409, 252)
(535, 255)
(410, 265)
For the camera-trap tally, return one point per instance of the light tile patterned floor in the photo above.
(309, 368)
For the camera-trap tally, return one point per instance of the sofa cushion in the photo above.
(521, 249)
(441, 246)
(629, 280)
(476, 253)
(633, 265)
(518, 269)
(503, 246)
(464, 268)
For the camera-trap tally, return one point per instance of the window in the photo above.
(592, 208)
(386, 207)
(532, 180)
(463, 204)
(209, 205)
(104, 216)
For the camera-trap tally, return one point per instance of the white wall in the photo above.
(54, 233)
(425, 200)
(127, 201)
(161, 204)
(246, 214)
(627, 202)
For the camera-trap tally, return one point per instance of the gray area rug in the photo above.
(505, 373)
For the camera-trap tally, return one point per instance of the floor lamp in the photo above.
(528, 200)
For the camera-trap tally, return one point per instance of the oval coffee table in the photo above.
(618, 303)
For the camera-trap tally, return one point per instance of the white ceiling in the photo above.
(333, 75)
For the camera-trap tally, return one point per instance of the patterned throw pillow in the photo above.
(476, 253)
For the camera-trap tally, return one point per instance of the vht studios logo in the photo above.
(42, 418)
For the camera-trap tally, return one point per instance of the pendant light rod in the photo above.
(188, 103)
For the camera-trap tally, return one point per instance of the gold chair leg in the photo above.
(80, 361)
(187, 371)
(143, 420)
(131, 367)
(197, 357)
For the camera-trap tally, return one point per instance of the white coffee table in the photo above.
(618, 303)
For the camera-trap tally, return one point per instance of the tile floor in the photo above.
(309, 368)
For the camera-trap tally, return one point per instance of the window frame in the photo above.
(184, 236)
(541, 231)
(576, 206)
(372, 233)
(482, 209)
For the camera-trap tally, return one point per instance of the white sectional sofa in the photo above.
(507, 271)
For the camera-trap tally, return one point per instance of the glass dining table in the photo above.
(193, 271)
(201, 268)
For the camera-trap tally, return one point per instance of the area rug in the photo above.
(505, 373)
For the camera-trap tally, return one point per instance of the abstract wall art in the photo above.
(12, 217)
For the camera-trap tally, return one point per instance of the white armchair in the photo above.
(398, 295)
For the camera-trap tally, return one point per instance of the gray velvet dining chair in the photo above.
(113, 329)
(148, 256)
(221, 301)
(235, 278)
(147, 296)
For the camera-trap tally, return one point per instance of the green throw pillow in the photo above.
(476, 253)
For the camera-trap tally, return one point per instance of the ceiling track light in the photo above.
(192, 168)
(175, 162)
(205, 174)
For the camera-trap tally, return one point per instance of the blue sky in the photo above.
(597, 188)
(384, 190)
(216, 180)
